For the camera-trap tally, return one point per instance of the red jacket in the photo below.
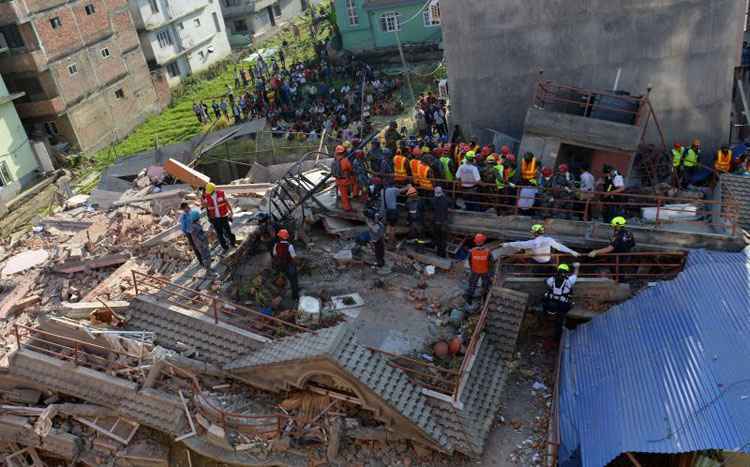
(222, 204)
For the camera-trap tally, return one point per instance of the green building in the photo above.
(18, 163)
(372, 24)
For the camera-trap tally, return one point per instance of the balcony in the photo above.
(45, 108)
(157, 21)
(23, 60)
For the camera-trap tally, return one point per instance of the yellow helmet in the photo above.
(210, 188)
(537, 229)
(470, 155)
(563, 267)
(618, 221)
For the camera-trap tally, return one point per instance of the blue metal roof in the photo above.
(665, 372)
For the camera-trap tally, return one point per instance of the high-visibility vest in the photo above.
(446, 163)
(528, 169)
(399, 168)
(677, 156)
(480, 260)
(221, 203)
(414, 166)
(500, 179)
(423, 173)
(510, 172)
(723, 161)
(691, 158)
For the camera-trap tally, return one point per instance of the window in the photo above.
(154, 6)
(197, 22)
(240, 25)
(51, 128)
(104, 52)
(181, 26)
(119, 94)
(216, 21)
(173, 69)
(351, 13)
(55, 22)
(5, 177)
(90, 10)
(389, 22)
(431, 14)
(164, 38)
(232, 3)
(72, 69)
(276, 10)
(12, 36)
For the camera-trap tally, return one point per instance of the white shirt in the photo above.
(618, 181)
(587, 181)
(541, 247)
(469, 175)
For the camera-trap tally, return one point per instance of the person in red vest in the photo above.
(481, 268)
(284, 261)
(341, 169)
(219, 214)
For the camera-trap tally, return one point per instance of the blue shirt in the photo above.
(185, 223)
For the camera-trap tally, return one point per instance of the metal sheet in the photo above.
(665, 372)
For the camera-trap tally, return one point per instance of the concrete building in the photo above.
(18, 165)
(371, 24)
(249, 19)
(685, 50)
(80, 66)
(180, 37)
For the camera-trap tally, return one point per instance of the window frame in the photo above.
(55, 22)
(164, 38)
(173, 67)
(386, 19)
(120, 94)
(105, 53)
(351, 13)
(6, 178)
(154, 6)
(90, 9)
(74, 70)
(197, 22)
(429, 19)
(245, 28)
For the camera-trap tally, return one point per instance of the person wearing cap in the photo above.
(413, 213)
(529, 170)
(187, 225)
(557, 301)
(481, 268)
(540, 247)
(441, 205)
(341, 170)
(469, 176)
(508, 163)
(219, 214)
(400, 168)
(285, 261)
(614, 185)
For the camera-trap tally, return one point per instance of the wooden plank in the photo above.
(70, 267)
(186, 174)
(108, 431)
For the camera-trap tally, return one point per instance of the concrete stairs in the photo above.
(148, 407)
(215, 343)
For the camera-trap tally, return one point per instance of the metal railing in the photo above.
(220, 309)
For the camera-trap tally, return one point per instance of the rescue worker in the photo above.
(389, 209)
(540, 248)
(509, 168)
(691, 161)
(529, 170)
(557, 302)
(614, 184)
(468, 174)
(621, 242)
(284, 261)
(480, 266)
(219, 214)
(501, 183)
(563, 185)
(400, 168)
(361, 187)
(341, 169)
(724, 158)
(546, 193)
(678, 154)
(449, 168)
(416, 153)
(440, 211)
(413, 214)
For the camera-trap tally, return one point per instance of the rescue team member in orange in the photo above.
(284, 261)
(341, 169)
(219, 214)
(400, 168)
(481, 267)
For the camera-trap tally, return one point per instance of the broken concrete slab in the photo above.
(23, 304)
(82, 310)
(65, 224)
(25, 261)
(71, 267)
(76, 201)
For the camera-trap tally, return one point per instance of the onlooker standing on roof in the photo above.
(220, 215)
(284, 261)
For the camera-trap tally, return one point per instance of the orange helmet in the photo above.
(485, 151)
(479, 239)
(411, 191)
(340, 149)
(283, 234)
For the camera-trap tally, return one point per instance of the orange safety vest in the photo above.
(723, 161)
(423, 179)
(414, 166)
(480, 260)
(399, 168)
(528, 170)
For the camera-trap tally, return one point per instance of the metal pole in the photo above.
(403, 64)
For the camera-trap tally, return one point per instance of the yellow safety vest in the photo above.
(691, 158)
(723, 161)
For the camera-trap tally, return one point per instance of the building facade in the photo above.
(685, 51)
(18, 164)
(249, 19)
(372, 24)
(180, 37)
(80, 66)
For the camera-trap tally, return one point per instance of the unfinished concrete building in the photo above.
(685, 51)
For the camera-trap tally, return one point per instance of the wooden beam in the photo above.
(633, 459)
(186, 174)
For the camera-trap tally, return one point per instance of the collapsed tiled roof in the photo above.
(739, 187)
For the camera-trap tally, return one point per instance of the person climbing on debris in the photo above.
(440, 212)
(557, 302)
(341, 169)
(376, 229)
(284, 261)
(540, 248)
(198, 236)
(481, 268)
(220, 215)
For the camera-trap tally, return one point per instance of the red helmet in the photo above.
(505, 150)
(485, 151)
(283, 234)
(340, 149)
(546, 172)
(416, 152)
(510, 158)
(563, 168)
(677, 146)
(479, 239)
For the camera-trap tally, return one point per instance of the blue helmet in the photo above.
(195, 215)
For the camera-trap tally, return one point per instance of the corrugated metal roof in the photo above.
(666, 372)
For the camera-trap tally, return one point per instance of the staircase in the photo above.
(295, 188)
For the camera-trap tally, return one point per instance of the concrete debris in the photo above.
(24, 261)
